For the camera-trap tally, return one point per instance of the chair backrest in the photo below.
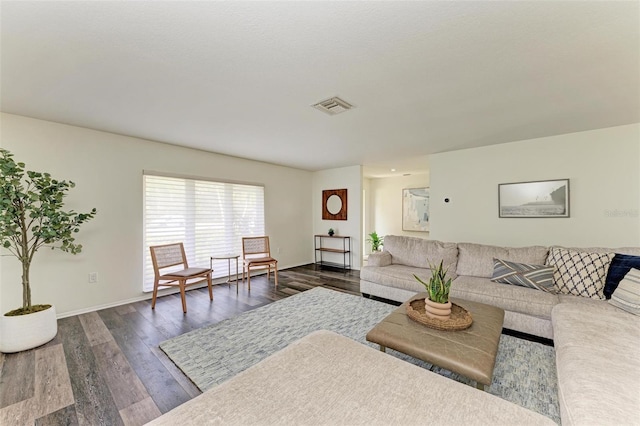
(255, 247)
(168, 255)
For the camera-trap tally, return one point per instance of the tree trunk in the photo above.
(26, 289)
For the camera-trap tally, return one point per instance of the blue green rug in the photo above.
(525, 372)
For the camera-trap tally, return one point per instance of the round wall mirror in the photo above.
(334, 204)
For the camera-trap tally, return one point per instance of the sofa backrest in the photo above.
(632, 251)
(476, 260)
(418, 252)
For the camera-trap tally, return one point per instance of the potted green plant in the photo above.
(331, 232)
(375, 240)
(437, 305)
(32, 217)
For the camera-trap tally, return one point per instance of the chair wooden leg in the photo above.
(210, 286)
(248, 278)
(275, 274)
(183, 296)
(155, 294)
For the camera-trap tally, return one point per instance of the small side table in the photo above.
(228, 258)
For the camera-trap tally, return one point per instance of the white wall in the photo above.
(107, 170)
(367, 212)
(604, 171)
(386, 204)
(351, 179)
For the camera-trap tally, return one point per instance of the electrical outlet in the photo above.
(93, 277)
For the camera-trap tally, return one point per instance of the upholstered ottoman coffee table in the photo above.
(470, 353)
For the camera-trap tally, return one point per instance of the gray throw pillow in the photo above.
(539, 277)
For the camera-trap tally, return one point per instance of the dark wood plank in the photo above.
(151, 334)
(125, 309)
(130, 335)
(17, 382)
(188, 386)
(160, 384)
(125, 386)
(158, 320)
(95, 329)
(111, 318)
(93, 401)
(64, 417)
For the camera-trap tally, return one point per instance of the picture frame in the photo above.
(415, 209)
(535, 199)
(334, 204)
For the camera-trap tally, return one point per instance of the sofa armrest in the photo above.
(379, 258)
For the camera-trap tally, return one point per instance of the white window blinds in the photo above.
(210, 218)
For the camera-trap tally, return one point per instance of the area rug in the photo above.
(525, 371)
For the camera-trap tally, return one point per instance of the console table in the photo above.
(323, 245)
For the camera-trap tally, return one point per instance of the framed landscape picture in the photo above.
(546, 198)
(415, 209)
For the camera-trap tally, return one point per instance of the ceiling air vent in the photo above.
(333, 106)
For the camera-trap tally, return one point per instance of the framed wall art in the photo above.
(415, 209)
(543, 199)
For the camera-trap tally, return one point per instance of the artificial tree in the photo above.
(32, 216)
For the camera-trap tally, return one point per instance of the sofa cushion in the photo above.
(539, 277)
(508, 297)
(591, 304)
(399, 276)
(580, 273)
(379, 258)
(418, 252)
(620, 266)
(597, 364)
(477, 259)
(627, 295)
(633, 251)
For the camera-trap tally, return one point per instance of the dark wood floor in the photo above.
(105, 368)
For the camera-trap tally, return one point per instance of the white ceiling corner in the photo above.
(238, 77)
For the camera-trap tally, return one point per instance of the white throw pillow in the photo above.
(580, 273)
(627, 294)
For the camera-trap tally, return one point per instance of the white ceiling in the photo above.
(238, 78)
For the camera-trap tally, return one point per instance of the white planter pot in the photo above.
(24, 332)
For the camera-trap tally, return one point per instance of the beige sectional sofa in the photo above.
(597, 345)
(389, 275)
(327, 379)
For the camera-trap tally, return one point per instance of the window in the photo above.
(209, 217)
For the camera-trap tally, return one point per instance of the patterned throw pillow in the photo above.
(627, 295)
(539, 277)
(620, 266)
(579, 273)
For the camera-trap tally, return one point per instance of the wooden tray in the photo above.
(460, 317)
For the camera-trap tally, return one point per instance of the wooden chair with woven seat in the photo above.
(256, 254)
(171, 255)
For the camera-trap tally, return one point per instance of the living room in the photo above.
(62, 113)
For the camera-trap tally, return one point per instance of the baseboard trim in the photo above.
(164, 292)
